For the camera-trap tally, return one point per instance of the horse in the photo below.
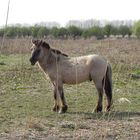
(63, 69)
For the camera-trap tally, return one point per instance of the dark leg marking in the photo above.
(100, 98)
(64, 105)
(56, 106)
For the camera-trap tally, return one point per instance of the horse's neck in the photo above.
(47, 61)
(42, 65)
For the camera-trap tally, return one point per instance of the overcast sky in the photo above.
(34, 11)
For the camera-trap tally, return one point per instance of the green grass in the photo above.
(26, 92)
(26, 99)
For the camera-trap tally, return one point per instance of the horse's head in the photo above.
(38, 50)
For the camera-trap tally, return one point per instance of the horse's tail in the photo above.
(108, 83)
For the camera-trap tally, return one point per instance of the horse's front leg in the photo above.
(64, 106)
(56, 104)
(60, 101)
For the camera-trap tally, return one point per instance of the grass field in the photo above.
(26, 98)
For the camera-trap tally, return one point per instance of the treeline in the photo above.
(72, 31)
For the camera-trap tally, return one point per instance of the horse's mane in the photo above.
(58, 52)
(47, 46)
(39, 43)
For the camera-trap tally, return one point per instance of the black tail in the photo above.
(108, 84)
(108, 80)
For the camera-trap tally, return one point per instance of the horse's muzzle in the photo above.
(32, 61)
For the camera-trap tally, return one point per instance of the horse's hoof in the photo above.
(60, 111)
(56, 108)
(109, 108)
(63, 109)
(98, 109)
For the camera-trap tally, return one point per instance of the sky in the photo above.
(61, 11)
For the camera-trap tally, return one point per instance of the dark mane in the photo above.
(46, 45)
(58, 52)
(39, 43)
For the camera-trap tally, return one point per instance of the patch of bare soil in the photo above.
(86, 129)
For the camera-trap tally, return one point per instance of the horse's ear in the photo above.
(33, 41)
(37, 42)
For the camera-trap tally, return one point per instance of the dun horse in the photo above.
(63, 69)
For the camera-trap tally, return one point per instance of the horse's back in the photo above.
(79, 69)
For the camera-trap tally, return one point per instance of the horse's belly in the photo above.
(75, 77)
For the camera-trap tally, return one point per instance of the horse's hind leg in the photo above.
(109, 100)
(99, 87)
(99, 105)
(108, 92)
